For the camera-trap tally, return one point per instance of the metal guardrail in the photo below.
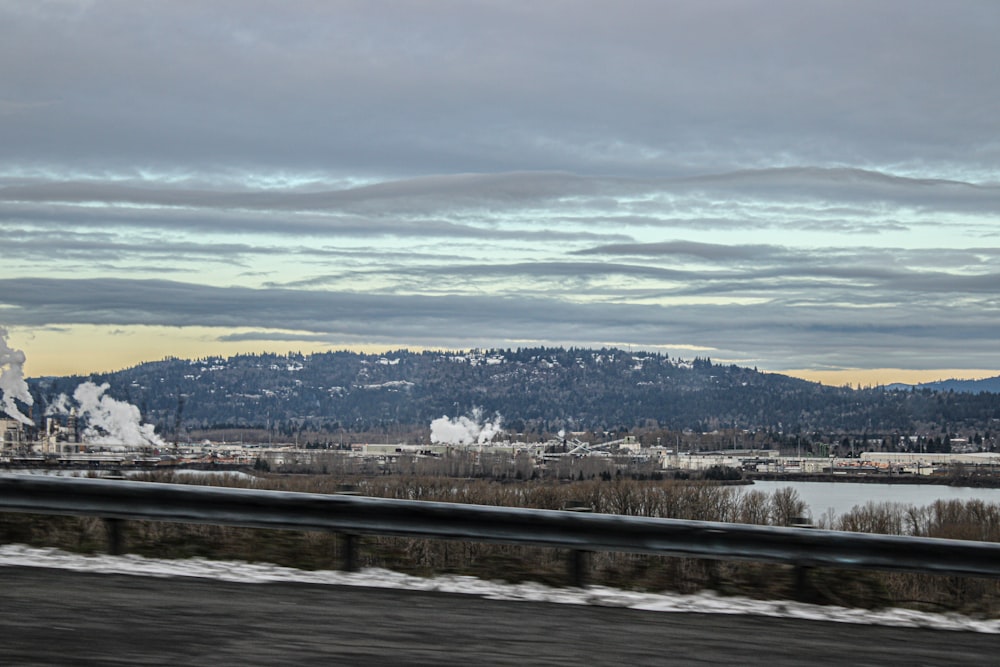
(116, 500)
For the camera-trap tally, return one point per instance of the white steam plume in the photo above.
(60, 406)
(465, 430)
(12, 384)
(109, 421)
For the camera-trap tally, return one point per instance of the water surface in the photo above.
(821, 497)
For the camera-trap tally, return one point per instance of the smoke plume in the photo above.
(465, 430)
(12, 385)
(109, 421)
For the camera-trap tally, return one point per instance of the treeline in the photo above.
(536, 390)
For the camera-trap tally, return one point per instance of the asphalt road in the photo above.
(56, 617)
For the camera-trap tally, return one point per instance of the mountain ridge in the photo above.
(534, 390)
(981, 385)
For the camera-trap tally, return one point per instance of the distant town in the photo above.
(60, 445)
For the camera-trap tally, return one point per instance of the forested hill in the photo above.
(991, 385)
(535, 390)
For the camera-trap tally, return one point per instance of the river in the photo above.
(821, 497)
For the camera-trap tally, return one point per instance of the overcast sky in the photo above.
(797, 186)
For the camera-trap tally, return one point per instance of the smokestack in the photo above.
(72, 423)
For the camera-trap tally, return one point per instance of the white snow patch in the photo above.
(391, 384)
(17, 555)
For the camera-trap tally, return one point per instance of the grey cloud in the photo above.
(858, 276)
(519, 207)
(851, 185)
(709, 251)
(844, 285)
(844, 262)
(554, 269)
(833, 188)
(805, 335)
(407, 87)
(501, 187)
(94, 250)
(293, 225)
(161, 302)
(32, 246)
(495, 172)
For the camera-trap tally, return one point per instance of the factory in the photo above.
(55, 438)
(15, 435)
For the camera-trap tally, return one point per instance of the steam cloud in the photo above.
(109, 421)
(465, 430)
(12, 384)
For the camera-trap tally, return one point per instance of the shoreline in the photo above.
(972, 482)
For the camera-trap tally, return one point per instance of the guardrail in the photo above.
(352, 516)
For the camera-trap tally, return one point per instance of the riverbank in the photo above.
(982, 481)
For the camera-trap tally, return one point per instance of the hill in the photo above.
(990, 385)
(534, 389)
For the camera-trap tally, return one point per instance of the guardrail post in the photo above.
(578, 561)
(803, 586)
(712, 577)
(116, 536)
(349, 541)
(349, 545)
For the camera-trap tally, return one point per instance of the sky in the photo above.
(809, 188)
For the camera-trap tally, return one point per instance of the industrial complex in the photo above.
(60, 443)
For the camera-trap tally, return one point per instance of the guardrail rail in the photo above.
(579, 532)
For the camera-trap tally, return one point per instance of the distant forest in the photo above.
(537, 391)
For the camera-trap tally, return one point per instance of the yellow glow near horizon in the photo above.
(82, 350)
(872, 377)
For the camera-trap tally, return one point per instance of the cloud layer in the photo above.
(783, 184)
